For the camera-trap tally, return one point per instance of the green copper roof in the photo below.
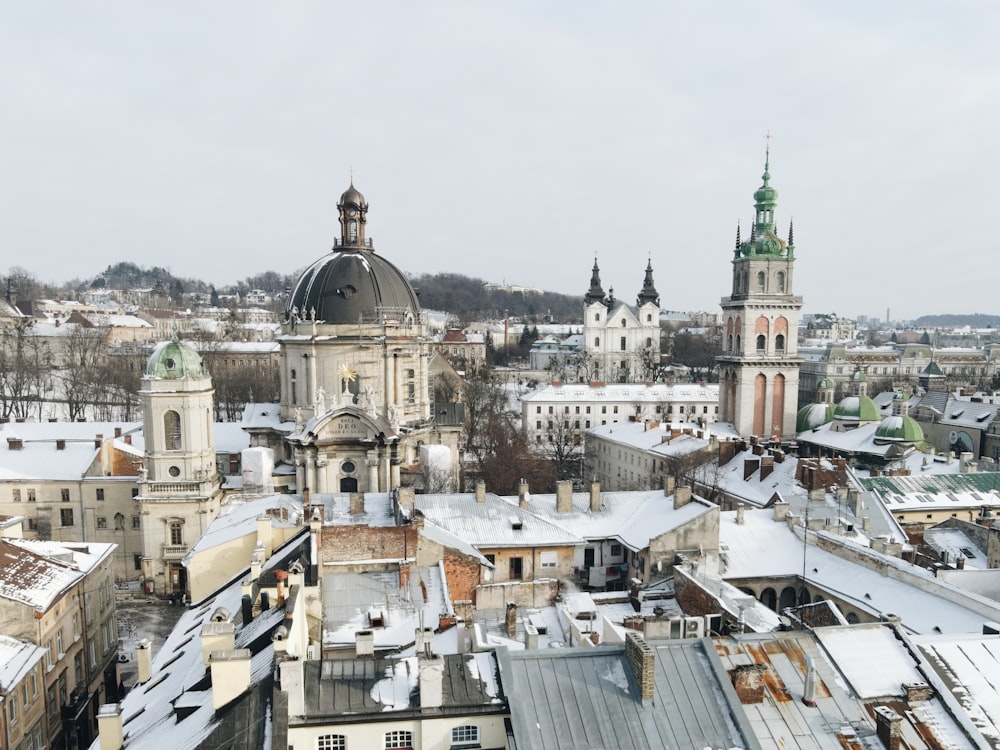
(932, 369)
(857, 409)
(812, 416)
(764, 240)
(174, 360)
(899, 429)
(827, 383)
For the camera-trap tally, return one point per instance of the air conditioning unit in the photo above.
(694, 627)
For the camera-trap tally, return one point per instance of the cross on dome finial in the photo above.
(767, 156)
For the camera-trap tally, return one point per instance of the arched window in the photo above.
(172, 431)
(779, 343)
(293, 383)
(761, 344)
(597, 340)
(597, 317)
(352, 231)
(730, 343)
(779, 280)
(761, 281)
(624, 322)
(331, 742)
(119, 522)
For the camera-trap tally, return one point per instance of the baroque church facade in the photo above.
(621, 343)
(759, 366)
(355, 409)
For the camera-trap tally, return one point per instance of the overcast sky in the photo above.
(511, 141)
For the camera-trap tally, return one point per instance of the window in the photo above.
(136, 522)
(597, 316)
(12, 711)
(32, 524)
(91, 653)
(64, 494)
(59, 644)
(624, 343)
(398, 738)
(548, 559)
(331, 742)
(538, 410)
(761, 343)
(176, 532)
(66, 516)
(597, 340)
(172, 431)
(31, 495)
(51, 702)
(779, 343)
(624, 322)
(465, 735)
(490, 558)
(78, 667)
(516, 569)
(100, 493)
(17, 495)
(119, 522)
(616, 550)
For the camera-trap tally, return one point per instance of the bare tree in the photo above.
(83, 371)
(25, 365)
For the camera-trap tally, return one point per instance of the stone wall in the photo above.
(523, 593)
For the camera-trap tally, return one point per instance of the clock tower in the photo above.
(759, 366)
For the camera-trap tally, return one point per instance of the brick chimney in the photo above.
(748, 679)
(642, 661)
(887, 727)
(749, 467)
(766, 467)
(60, 444)
(14, 444)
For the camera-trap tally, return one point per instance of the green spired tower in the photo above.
(759, 366)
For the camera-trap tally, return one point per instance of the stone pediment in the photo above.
(349, 424)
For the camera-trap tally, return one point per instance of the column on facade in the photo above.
(310, 469)
(322, 479)
(372, 463)
(300, 474)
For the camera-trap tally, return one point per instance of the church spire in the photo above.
(353, 214)
(648, 293)
(596, 291)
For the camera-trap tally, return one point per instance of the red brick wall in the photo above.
(462, 574)
(346, 543)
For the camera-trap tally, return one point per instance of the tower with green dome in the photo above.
(759, 366)
(179, 485)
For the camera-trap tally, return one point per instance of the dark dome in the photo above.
(352, 195)
(351, 285)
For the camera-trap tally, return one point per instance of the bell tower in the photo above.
(353, 213)
(759, 366)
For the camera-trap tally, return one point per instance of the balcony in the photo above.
(174, 551)
(173, 488)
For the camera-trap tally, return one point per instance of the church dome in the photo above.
(899, 429)
(857, 409)
(351, 285)
(352, 195)
(812, 416)
(174, 360)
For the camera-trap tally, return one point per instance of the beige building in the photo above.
(60, 597)
(22, 700)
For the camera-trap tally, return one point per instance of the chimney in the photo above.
(60, 444)
(887, 727)
(357, 503)
(780, 511)
(405, 497)
(305, 497)
(748, 679)
(564, 496)
(217, 636)
(98, 439)
(431, 681)
(749, 467)
(642, 661)
(280, 576)
(264, 534)
(511, 620)
(682, 496)
(14, 444)
(128, 439)
(766, 467)
(463, 610)
(109, 727)
(230, 675)
(740, 507)
(917, 691)
(595, 497)
(118, 432)
(522, 495)
(364, 643)
(404, 574)
(480, 491)
(144, 660)
(668, 485)
(809, 691)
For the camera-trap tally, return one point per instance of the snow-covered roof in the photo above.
(31, 578)
(966, 672)
(265, 416)
(354, 601)
(16, 660)
(634, 518)
(229, 437)
(238, 518)
(933, 492)
(655, 393)
(39, 456)
(954, 544)
(492, 523)
(763, 548)
(857, 649)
